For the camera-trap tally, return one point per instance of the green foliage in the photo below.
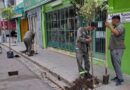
(8, 13)
(90, 7)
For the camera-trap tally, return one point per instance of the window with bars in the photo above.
(100, 32)
(61, 28)
(100, 39)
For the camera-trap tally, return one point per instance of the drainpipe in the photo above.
(43, 27)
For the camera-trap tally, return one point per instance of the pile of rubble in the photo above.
(84, 83)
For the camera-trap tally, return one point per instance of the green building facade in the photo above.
(59, 25)
(122, 8)
(33, 10)
(55, 8)
(19, 10)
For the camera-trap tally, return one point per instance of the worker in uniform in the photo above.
(117, 46)
(82, 48)
(28, 41)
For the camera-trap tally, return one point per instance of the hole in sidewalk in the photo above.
(59, 78)
(13, 73)
(17, 56)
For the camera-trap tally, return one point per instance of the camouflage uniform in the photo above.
(28, 41)
(82, 50)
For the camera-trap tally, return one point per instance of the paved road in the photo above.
(26, 80)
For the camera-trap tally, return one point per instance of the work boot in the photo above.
(119, 82)
(88, 76)
(82, 73)
(30, 54)
(114, 79)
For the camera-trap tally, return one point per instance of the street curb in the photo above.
(60, 78)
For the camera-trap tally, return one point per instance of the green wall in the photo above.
(30, 4)
(65, 3)
(43, 27)
(117, 6)
(47, 8)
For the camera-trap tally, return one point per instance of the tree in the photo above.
(89, 9)
(8, 14)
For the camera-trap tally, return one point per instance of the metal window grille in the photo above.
(100, 32)
(61, 28)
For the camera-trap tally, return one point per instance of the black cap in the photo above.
(116, 17)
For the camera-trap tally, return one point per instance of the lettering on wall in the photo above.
(125, 16)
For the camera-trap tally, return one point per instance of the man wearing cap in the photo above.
(117, 46)
(82, 47)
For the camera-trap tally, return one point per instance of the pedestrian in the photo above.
(28, 41)
(117, 46)
(3, 36)
(82, 48)
(13, 35)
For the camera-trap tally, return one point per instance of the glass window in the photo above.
(100, 32)
(61, 28)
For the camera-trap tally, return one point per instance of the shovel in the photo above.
(106, 75)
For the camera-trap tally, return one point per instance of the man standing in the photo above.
(82, 47)
(117, 46)
(28, 41)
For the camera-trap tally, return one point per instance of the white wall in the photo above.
(1, 4)
(1, 7)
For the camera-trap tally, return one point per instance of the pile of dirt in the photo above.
(84, 83)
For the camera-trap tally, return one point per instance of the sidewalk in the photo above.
(66, 66)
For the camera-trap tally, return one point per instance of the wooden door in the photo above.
(24, 27)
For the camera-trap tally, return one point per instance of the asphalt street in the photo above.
(25, 80)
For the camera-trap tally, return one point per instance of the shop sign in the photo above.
(11, 25)
(125, 16)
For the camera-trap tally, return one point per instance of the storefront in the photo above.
(34, 19)
(33, 11)
(122, 8)
(62, 24)
(19, 10)
(6, 28)
(61, 28)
